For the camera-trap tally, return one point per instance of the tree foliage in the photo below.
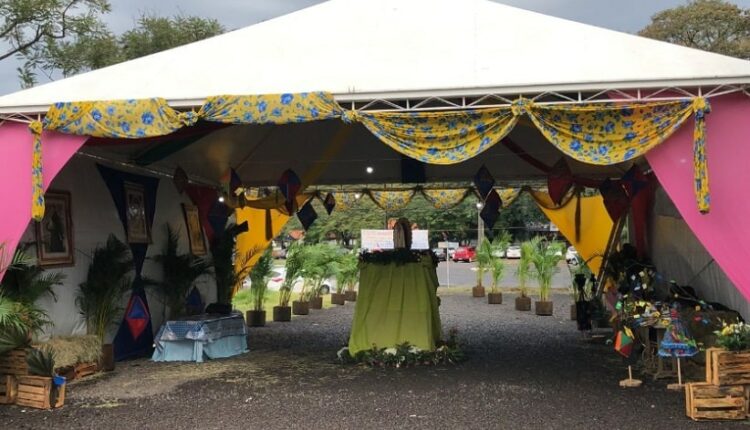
(711, 25)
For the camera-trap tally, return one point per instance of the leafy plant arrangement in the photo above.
(100, 296)
(27, 282)
(293, 267)
(484, 259)
(397, 256)
(545, 261)
(734, 337)
(230, 270)
(347, 272)
(497, 267)
(318, 264)
(259, 280)
(528, 249)
(448, 352)
(579, 276)
(41, 362)
(179, 273)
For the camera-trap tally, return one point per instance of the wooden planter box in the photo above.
(85, 369)
(727, 367)
(704, 401)
(8, 389)
(14, 363)
(34, 392)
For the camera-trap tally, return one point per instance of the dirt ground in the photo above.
(523, 371)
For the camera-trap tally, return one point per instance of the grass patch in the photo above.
(242, 301)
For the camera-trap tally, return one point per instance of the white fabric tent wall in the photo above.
(94, 218)
(677, 253)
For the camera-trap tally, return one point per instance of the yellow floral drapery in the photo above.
(346, 201)
(445, 199)
(508, 195)
(392, 200)
(37, 179)
(593, 133)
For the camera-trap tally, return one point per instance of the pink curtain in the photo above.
(15, 174)
(725, 231)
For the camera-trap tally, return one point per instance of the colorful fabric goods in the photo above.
(677, 342)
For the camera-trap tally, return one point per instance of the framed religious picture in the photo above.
(194, 230)
(135, 214)
(54, 234)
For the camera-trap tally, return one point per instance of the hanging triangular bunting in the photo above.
(491, 209)
(136, 316)
(329, 203)
(180, 179)
(289, 184)
(484, 182)
(615, 199)
(307, 215)
(559, 181)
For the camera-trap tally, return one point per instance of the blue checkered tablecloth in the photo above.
(204, 328)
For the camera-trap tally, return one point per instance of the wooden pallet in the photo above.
(727, 367)
(34, 392)
(8, 389)
(14, 363)
(83, 370)
(704, 401)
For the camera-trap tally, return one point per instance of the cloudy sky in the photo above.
(628, 16)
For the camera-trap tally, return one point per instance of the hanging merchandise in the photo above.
(289, 184)
(307, 215)
(559, 181)
(329, 203)
(484, 182)
(491, 209)
(677, 341)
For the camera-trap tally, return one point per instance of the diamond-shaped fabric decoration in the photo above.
(329, 203)
(307, 215)
(136, 316)
(289, 184)
(559, 181)
(491, 209)
(484, 182)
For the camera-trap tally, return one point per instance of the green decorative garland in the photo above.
(397, 256)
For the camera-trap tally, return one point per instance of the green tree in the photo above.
(711, 25)
(98, 47)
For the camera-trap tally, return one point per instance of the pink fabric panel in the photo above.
(725, 231)
(15, 174)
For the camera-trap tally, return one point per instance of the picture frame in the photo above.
(194, 230)
(54, 233)
(135, 214)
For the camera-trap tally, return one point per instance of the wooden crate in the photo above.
(727, 367)
(85, 369)
(14, 363)
(8, 389)
(704, 401)
(34, 392)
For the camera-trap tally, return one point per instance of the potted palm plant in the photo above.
(523, 301)
(100, 297)
(545, 259)
(179, 273)
(351, 268)
(484, 259)
(230, 268)
(319, 265)
(283, 312)
(259, 289)
(497, 267)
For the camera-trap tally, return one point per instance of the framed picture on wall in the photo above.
(54, 234)
(194, 230)
(135, 214)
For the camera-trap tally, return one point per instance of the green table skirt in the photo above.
(396, 304)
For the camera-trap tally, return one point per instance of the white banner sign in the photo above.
(420, 239)
(377, 239)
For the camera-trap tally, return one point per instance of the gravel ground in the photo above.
(523, 371)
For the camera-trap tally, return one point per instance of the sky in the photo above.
(627, 16)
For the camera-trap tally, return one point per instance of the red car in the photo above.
(465, 253)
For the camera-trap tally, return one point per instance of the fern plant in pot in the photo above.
(283, 312)
(484, 260)
(100, 297)
(259, 274)
(523, 301)
(545, 259)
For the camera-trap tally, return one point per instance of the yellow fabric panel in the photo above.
(445, 199)
(345, 201)
(254, 240)
(444, 137)
(270, 108)
(37, 177)
(700, 166)
(124, 119)
(508, 195)
(392, 200)
(596, 226)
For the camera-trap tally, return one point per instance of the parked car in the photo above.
(513, 251)
(465, 253)
(440, 254)
(571, 255)
(500, 253)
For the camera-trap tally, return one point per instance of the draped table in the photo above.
(396, 303)
(193, 337)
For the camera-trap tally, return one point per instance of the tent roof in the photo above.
(371, 49)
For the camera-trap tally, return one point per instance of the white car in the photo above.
(513, 251)
(276, 280)
(571, 255)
